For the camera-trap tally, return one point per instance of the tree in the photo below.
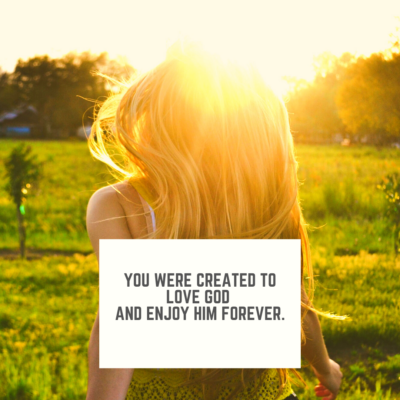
(369, 97)
(57, 88)
(9, 94)
(312, 106)
(22, 173)
(37, 81)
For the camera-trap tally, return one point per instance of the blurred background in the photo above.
(337, 66)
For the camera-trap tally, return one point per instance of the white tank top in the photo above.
(149, 215)
(153, 218)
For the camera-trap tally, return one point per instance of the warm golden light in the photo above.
(281, 38)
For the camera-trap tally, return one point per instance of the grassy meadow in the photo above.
(48, 303)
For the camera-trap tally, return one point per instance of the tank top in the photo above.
(166, 384)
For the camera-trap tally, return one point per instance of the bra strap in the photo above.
(147, 215)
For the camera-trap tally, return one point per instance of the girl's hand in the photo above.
(329, 383)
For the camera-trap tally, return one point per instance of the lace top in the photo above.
(165, 384)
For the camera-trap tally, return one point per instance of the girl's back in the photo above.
(166, 384)
(207, 144)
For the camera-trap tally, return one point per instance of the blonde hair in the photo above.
(207, 143)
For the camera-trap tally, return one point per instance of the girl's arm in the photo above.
(315, 352)
(106, 219)
(105, 383)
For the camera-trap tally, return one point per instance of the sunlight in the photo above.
(243, 49)
(280, 38)
(248, 52)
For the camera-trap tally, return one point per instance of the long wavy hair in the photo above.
(207, 143)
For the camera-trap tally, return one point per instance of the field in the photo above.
(48, 303)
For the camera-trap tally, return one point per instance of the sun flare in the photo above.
(279, 38)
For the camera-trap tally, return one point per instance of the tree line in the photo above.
(356, 97)
(59, 89)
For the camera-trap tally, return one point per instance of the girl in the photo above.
(205, 152)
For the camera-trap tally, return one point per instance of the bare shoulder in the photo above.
(113, 212)
(114, 200)
(99, 201)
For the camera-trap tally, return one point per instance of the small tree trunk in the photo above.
(22, 233)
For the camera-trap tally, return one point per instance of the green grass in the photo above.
(56, 214)
(338, 191)
(48, 305)
(48, 309)
(44, 334)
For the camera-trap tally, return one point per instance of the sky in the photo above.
(280, 37)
